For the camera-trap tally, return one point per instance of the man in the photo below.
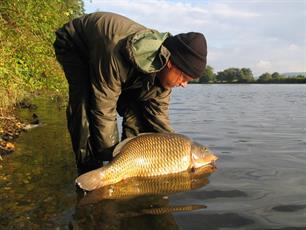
(114, 64)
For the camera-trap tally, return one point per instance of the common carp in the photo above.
(149, 155)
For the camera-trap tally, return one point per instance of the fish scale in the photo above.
(157, 151)
(146, 155)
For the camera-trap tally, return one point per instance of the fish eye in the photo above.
(204, 149)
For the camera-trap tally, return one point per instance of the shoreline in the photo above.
(11, 126)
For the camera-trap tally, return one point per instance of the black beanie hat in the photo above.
(188, 52)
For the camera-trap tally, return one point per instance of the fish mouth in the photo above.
(213, 162)
(204, 169)
(204, 164)
(209, 160)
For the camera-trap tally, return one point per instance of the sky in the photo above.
(263, 35)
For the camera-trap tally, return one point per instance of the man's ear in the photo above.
(169, 64)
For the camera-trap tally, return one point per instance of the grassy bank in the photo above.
(27, 62)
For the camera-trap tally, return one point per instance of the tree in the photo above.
(275, 77)
(208, 75)
(229, 75)
(246, 76)
(221, 77)
(232, 74)
(264, 78)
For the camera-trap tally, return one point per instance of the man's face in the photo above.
(173, 77)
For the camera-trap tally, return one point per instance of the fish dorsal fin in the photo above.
(120, 145)
(141, 134)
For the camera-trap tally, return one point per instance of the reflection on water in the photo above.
(158, 185)
(137, 202)
(257, 131)
(130, 204)
(215, 221)
(126, 214)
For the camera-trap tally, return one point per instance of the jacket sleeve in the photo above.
(145, 112)
(156, 111)
(106, 88)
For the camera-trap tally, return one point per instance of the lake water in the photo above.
(257, 131)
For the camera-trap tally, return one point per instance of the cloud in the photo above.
(263, 65)
(294, 47)
(239, 33)
(226, 11)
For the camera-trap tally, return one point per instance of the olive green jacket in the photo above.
(123, 57)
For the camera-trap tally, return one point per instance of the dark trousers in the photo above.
(77, 73)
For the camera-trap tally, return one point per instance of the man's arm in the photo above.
(148, 112)
(156, 112)
(106, 88)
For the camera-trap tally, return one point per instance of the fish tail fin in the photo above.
(91, 180)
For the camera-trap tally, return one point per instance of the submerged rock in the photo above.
(11, 127)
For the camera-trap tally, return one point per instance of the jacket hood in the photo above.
(145, 50)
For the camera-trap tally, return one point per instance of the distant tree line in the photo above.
(245, 75)
(278, 78)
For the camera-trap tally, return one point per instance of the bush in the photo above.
(27, 62)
